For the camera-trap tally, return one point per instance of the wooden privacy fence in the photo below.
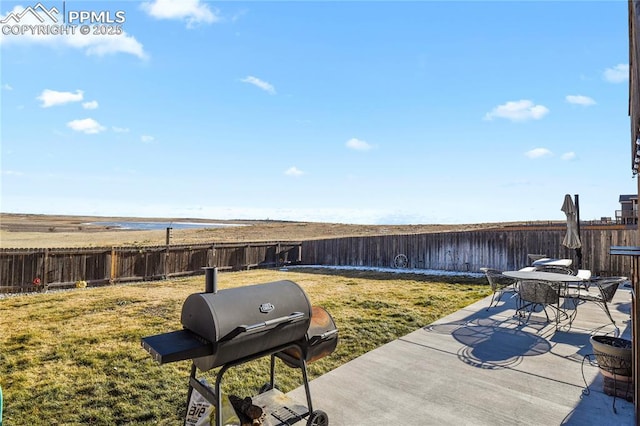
(24, 270)
(470, 250)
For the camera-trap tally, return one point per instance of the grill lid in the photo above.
(246, 320)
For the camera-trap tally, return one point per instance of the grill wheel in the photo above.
(318, 418)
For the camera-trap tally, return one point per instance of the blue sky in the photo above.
(354, 112)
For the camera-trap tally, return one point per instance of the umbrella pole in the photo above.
(579, 249)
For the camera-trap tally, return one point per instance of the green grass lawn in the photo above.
(74, 358)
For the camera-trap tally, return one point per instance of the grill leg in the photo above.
(192, 376)
(273, 371)
(305, 379)
(218, 392)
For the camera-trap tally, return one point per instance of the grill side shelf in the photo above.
(176, 346)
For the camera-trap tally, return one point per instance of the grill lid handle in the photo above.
(323, 336)
(264, 325)
(254, 328)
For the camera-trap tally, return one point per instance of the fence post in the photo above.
(114, 263)
(211, 259)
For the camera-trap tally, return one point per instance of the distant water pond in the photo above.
(153, 226)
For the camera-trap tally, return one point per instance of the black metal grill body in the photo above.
(246, 320)
(232, 326)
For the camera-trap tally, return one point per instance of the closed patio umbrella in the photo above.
(572, 238)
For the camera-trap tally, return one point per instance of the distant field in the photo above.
(41, 231)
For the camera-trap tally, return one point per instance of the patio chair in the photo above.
(557, 269)
(601, 295)
(535, 256)
(532, 294)
(499, 284)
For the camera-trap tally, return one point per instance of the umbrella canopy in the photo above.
(571, 239)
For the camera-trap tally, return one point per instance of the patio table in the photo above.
(534, 295)
(565, 281)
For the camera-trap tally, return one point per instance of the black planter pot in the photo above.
(613, 355)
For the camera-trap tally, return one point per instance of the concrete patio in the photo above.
(479, 367)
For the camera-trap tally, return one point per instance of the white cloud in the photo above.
(538, 153)
(50, 98)
(358, 145)
(120, 129)
(293, 171)
(91, 44)
(568, 156)
(617, 74)
(521, 110)
(100, 45)
(90, 105)
(147, 138)
(192, 11)
(87, 125)
(267, 87)
(580, 100)
(6, 87)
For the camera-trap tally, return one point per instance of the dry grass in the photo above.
(74, 358)
(41, 231)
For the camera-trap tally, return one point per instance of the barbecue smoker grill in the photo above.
(230, 327)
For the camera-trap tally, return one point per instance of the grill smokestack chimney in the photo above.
(211, 279)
